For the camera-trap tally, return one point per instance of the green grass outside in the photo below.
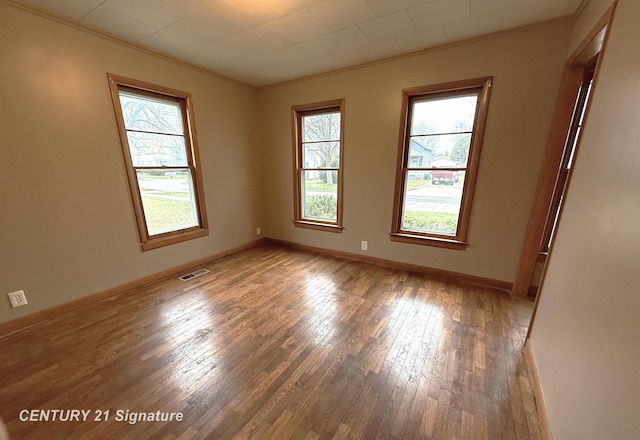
(319, 185)
(165, 215)
(436, 222)
(168, 193)
(413, 184)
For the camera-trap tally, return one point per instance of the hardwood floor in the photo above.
(276, 343)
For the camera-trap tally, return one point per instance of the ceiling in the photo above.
(263, 42)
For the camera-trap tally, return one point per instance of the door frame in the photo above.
(590, 47)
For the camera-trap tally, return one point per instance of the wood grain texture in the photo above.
(539, 401)
(7, 328)
(279, 343)
(391, 264)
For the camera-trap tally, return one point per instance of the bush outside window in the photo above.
(439, 150)
(318, 152)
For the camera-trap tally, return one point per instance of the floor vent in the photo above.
(197, 273)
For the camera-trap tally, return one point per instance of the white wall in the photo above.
(67, 227)
(585, 337)
(526, 67)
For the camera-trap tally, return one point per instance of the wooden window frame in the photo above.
(481, 86)
(119, 83)
(297, 113)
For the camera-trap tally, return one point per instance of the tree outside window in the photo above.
(440, 144)
(158, 141)
(318, 165)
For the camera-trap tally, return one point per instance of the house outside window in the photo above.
(157, 135)
(438, 155)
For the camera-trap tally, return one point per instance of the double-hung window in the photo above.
(157, 134)
(441, 133)
(318, 152)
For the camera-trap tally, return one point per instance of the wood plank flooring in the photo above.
(276, 343)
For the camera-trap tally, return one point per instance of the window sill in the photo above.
(404, 237)
(318, 226)
(158, 242)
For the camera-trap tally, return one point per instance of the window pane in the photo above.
(320, 195)
(439, 151)
(168, 200)
(432, 208)
(445, 115)
(321, 155)
(148, 149)
(418, 178)
(323, 127)
(149, 114)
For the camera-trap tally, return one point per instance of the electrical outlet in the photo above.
(18, 299)
(258, 231)
(364, 246)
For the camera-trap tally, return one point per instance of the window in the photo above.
(317, 155)
(158, 140)
(439, 150)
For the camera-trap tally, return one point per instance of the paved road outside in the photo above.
(441, 198)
